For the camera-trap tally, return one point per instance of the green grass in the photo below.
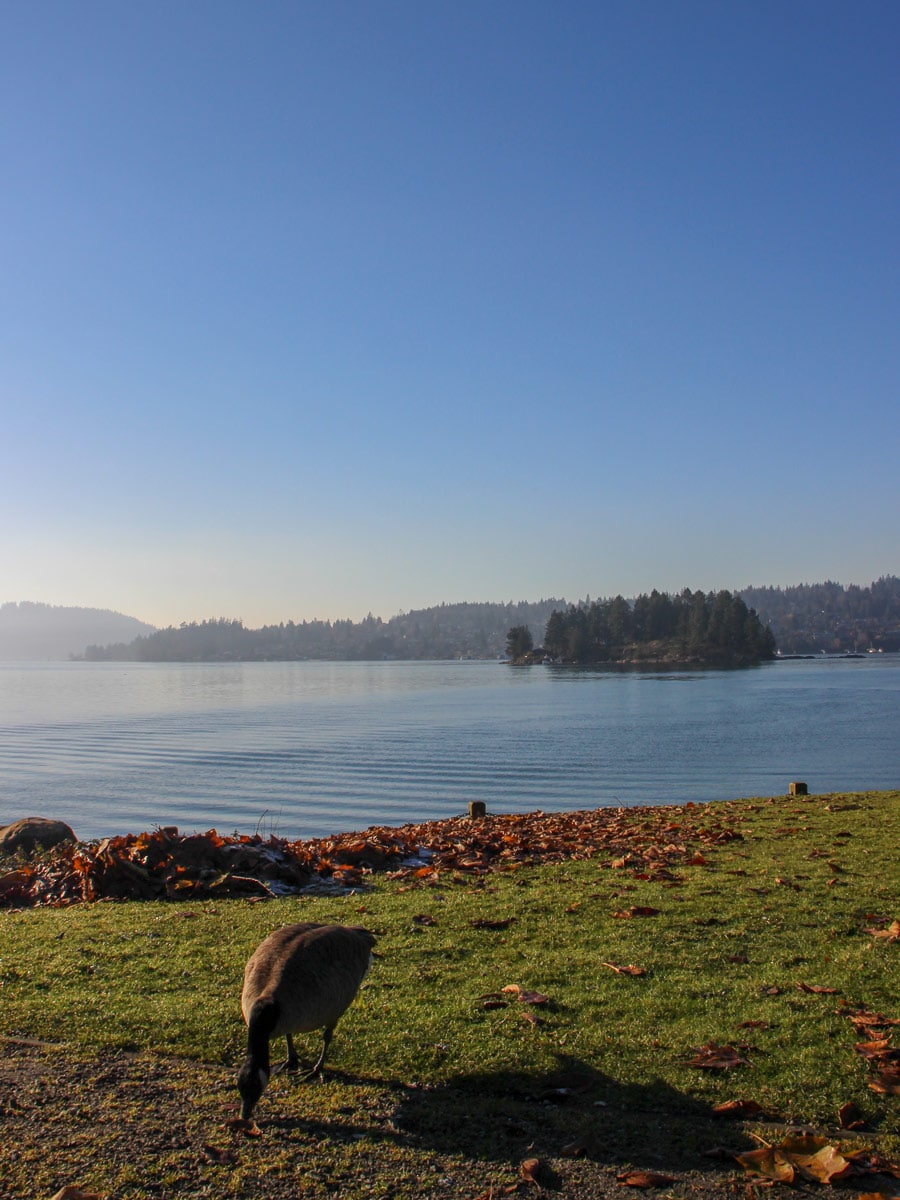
(429, 1081)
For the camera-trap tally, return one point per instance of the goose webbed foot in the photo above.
(291, 1064)
(318, 1071)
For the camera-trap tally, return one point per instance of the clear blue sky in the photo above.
(314, 309)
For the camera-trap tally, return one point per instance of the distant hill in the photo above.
(41, 632)
(810, 618)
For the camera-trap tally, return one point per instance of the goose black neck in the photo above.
(260, 1027)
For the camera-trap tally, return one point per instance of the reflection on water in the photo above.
(306, 749)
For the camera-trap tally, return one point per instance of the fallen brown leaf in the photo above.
(525, 997)
(637, 910)
(872, 1161)
(739, 1110)
(645, 1179)
(714, 1057)
(530, 1169)
(70, 1192)
(816, 988)
(878, 1048)
(850, 1117)
(891, 934)
(218, 1156)
(886, 1082)
(821, 1163)
(811, 1158)
(769, 1163)
(631, 969)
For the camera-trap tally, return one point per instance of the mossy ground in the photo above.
(123, 1027)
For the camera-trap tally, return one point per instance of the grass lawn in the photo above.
(121, 1025)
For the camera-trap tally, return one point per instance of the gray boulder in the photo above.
(31, 832)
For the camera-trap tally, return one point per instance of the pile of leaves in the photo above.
(163, 864)
(804, 1157)
(882, 1059)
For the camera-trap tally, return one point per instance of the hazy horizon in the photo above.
(521, 600)
(316, 310)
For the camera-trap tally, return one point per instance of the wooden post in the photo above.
(797, 788)
(477, 808)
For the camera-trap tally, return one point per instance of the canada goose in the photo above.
(301, 978)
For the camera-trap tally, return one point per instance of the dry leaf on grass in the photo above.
(816, 988)
(645, 1179)
(886, 1082)
(70, 1192)
(631, 969)
(713, 1057)
(530, 1170)
(217, 1156)
(850, 1117)
(739, 1110)
(805, 1157)
(637, 910)
(890, 934)
(878, 1048)
(524, 996)
(874, 1163)
(864, 1020)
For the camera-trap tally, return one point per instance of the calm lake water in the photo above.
(306, 749)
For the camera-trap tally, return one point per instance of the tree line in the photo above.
(446, 631)
(811, 617)
(808, 618)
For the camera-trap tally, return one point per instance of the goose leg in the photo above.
(292, 1062)
(320, 1063)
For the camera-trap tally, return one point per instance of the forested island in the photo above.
(690, 628)
(806, 619)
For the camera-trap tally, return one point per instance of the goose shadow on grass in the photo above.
(573, 1110)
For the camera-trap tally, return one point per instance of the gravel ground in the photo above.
(125, 1126)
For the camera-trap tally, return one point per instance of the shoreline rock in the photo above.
(29, 832)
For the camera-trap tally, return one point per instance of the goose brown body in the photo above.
(301, 978)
